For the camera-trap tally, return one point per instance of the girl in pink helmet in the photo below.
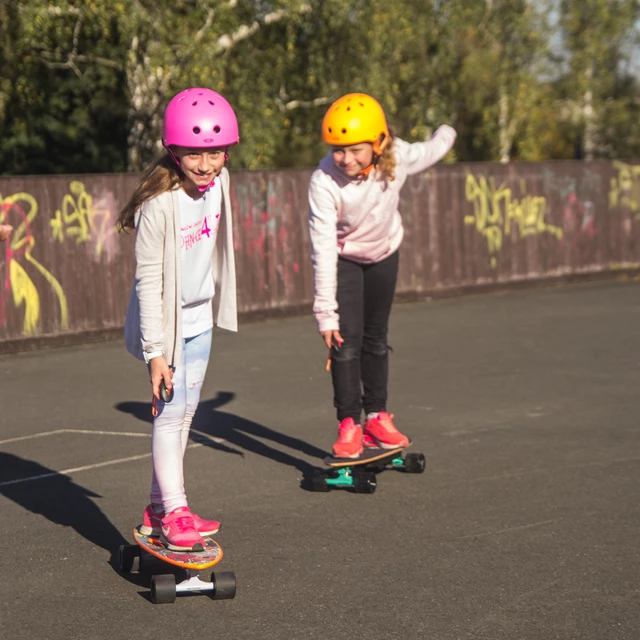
(184, 283)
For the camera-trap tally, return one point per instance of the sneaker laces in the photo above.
(184, 521)
(348, 434)
(386, 422)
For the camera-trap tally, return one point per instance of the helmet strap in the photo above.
(378, 147)
(173, 155)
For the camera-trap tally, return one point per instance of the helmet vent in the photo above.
(216, 129)
(194, 103)
(348, 108)
(330, 130)
(196, 130)
(211, 103)
(360, 103)
(344, 131)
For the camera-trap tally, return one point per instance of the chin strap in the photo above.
(204, 187)
(365, 172)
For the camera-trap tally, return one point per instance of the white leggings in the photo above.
(171, 425)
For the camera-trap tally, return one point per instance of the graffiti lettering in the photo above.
(81, 218)
(497, 212)
(625, 188)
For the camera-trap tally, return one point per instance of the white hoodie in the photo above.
(358, 218)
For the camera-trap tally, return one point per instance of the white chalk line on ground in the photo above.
(129, 434)
(44, 434)
(96, 465)
(87, 467)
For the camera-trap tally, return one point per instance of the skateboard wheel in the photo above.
(414, 462)
(128, 558)
(224, 585)
(163, 589)
(319, 482)
(364, 483)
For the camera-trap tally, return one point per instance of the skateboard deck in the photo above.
(197, 560)
(370, 454)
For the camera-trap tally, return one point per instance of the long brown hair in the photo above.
(387, 160)
(162, 175)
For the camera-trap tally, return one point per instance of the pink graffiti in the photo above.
(579, 216)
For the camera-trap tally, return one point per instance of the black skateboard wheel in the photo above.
(128, 558)
(224, 585)
(319, 482)
(163, 589)
(414, 462)
(364, 482)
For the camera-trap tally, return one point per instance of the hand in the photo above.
(5, 231)
(332, 337)
(160, 370)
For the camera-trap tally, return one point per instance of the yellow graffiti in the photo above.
(23, 289)
(624, 189)
(496, 210)
(25, 292)
(80, 218)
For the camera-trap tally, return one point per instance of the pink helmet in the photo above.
(199, 118)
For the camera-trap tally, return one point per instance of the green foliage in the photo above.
(84, 82)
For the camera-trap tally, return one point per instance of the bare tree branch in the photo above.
(227, 41)
(209, 21)
(284, 104)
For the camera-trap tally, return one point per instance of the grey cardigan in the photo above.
(154, 314)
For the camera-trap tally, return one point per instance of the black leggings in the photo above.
(360, 368)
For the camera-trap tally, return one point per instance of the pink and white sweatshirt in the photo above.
(358, 218)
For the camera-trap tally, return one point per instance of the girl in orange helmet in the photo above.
(356, 231)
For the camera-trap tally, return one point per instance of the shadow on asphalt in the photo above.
(58, 498)
(236, 432)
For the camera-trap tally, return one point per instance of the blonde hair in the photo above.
(387, 160)
(162, 175)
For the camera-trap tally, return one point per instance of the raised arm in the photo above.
(419, 156)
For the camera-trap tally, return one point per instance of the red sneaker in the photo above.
(384, 433)
(368, 442)
(349, 442)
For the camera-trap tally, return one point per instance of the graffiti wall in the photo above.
(66, 270)
(477, 224)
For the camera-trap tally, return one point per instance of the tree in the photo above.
(597, 36)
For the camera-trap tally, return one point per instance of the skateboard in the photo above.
(164, 589)
(359, 474)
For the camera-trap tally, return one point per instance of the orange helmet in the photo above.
(353, 119)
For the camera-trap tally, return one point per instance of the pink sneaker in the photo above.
(179, 531)
(383, 431)
(205, 527)
(152, 523)
(349, 442)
